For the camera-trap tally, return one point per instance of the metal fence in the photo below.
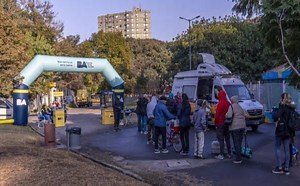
(268, 93)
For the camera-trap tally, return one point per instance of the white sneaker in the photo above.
(164, 151)
(237, 161)
(156, 151)
(145, 132)
(220, 157)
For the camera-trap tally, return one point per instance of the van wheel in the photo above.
(254, 128)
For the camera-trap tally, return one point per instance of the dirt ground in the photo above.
(24, 160)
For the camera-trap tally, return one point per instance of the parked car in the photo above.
(6, 109)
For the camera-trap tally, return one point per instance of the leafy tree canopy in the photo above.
(235, 43)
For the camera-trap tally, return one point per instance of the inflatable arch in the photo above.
(42, 63)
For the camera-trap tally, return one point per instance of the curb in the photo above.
(124, 171)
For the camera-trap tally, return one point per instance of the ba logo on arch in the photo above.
(84, 64)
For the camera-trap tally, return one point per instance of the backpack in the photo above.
(294, 121)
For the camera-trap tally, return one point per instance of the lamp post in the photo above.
(190, 47)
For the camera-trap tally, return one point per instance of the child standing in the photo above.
(199, 121)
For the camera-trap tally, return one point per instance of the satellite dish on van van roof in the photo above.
(208, 58)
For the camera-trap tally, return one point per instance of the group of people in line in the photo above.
(157, 112)
(153, 117)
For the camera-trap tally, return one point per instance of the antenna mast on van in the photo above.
(208, 58)
(210, 66)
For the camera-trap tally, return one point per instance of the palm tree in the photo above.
(247, 7)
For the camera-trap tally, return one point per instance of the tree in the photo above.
(151, 60)
(235, 43)
(247, 7)
(280, 23)
(69, 46)
(113, 47)
(13, 45)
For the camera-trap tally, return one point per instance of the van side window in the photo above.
(189, 90)
(204, 90)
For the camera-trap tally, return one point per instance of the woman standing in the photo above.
(283, 134)
(183, 113)
(238, 126)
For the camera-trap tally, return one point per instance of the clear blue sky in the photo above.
(80, 16)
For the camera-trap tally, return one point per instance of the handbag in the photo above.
(228, 121)
(246, 150)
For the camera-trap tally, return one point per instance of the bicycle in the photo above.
(173, 137)
(129, 114)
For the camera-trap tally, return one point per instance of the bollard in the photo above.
(49, 135)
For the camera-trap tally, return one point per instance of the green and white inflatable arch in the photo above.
(43, 63)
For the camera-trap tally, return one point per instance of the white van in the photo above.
(208, 79)
(6, 109)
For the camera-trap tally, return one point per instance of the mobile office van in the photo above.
(205, 83)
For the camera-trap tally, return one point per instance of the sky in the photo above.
(80, 16)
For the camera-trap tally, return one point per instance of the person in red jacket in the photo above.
(221, 129)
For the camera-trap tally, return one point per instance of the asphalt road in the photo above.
(130, 146)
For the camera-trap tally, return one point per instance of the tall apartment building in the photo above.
(134, 24)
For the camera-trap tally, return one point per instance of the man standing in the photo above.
(117, 112)
(161, 115)
(221, 129)
(141, 111)
(150, 108)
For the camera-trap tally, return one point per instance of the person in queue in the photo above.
(283, 134)
(150, 108)
(238, 126)
(183, 114)
(161, 115)
(222, 130)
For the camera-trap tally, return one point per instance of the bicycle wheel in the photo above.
(176, 142)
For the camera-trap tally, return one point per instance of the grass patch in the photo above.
(25, 160)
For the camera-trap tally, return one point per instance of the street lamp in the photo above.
(190, 47)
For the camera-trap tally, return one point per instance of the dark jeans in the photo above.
(286, 151)
(151, 132)
(139, 117)
(117, 115)
(223, 134)
(162, 131)
(184, 137)
(237, 137)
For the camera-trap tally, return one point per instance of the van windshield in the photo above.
(237, 90)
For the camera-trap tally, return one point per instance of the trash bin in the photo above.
(73, 137)
(107, 116)
(59, 118)
(49, 135)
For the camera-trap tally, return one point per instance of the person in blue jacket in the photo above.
(161, 115)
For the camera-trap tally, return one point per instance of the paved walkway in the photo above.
(128, 149)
